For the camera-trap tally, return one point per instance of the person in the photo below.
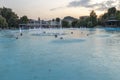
(21, 34)
(44, 32)
(71, 32)
(87, 34)
(17, 37)
(56, 36)
(61, 37)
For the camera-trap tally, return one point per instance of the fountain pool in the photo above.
(30, 57)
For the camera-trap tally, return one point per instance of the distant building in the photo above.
(83, 17)
(40, 24)
(69, 19)
(112, 22)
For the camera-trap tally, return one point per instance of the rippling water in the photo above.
(93, 57)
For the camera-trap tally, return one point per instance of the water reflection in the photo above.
(93, 57)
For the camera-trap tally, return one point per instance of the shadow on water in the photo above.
(47, 34)
(103, 35)
(8, 34)
(115, 40)
(68, 41)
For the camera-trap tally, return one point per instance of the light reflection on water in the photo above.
(96, 57)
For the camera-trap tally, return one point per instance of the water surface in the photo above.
(92, 57)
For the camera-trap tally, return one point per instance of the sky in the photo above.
(49, 9)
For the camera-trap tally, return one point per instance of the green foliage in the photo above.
(13, 22)
(104, 16)
(58, 19)
(88, 21)
(74, 23)
(24, 20)
(3, 23)
(10, 16)
(0, 9)
(93, 19)
(82, 23)
(65, 24)
(53, 20)
(10, 19)
(112, 12)
(102, 19)
(118, 15)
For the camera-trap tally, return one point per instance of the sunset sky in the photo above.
(48, 9)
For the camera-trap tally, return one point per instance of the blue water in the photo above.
(96, 57)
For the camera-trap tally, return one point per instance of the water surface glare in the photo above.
(92, 57)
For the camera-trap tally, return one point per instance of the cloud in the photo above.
(54, 9)
(108, 4)
(118, 4)
(97, 6)
(101, 6)
(79, 3)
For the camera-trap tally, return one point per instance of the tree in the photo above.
(74, 23)
(24, 20)
(93, 19)
(118, 15)
(58, 19)
(3, 23)
(102, 19)
(0, 10)
(82, 23)
(10, 16)
(65, 24)
(53, 20)
(112, 12)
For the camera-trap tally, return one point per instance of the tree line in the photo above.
(9, 19)
(93, 20)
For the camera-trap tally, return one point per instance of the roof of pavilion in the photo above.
(114, 20)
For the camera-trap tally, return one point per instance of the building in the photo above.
(41, 24)
(83, 17)
(112, 22)
(69, 19)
